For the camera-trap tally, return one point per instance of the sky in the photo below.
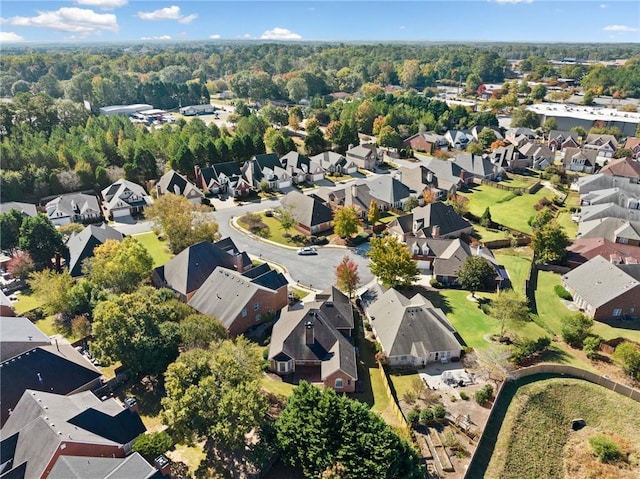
(77, 21)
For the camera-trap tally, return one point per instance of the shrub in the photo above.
(605, 448)
(426, 416)
(575, 329)
(485, 308)
(525, 350)
(414, 417)
(591, 346)
(483, 395)
(409, 397)
(153, 444)
(464, 396)
(562, 293)
(436, 284)
(439, 411)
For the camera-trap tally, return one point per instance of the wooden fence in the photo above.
(397, 412)
(516, 189)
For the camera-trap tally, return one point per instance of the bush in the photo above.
(153, 444)
(426, 416)
(562, 293)
(575, 329)
(485, 308)
(436, 284)
(591, 346)
(414, 417)
(439, 411)
(605, 448)
(522, 352)
(409, 397)
(483, 395)
(464, 396)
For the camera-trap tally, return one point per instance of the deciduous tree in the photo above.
(459, 203)
(10, 223)
(476, 274)
(510, 309)
(392, 262)
(550, 243)
(373, 215)
(347, 276)
(287, 218)
(522, 117)
(39, 238)
(345, 221)
(53, 289)
(575, 329)
(21, 265)
(201, 330)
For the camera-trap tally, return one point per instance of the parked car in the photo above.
(308, 250)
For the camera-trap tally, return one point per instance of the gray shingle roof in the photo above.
(307, 210)
(388, 189)
(124, 194)
(74, 204)
(78, 467)
(411, 326)
(441, 215)
(474, 164)
(19, 335)
(598, 281)
(25, 208)
(609, 228)
(81, 245)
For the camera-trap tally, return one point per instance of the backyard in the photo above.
(156, 248)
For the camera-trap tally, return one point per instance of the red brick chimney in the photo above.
(435, 231)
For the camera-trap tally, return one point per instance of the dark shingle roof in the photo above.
(307, 210)
(441, 215)
(175, 183)
(81, 245)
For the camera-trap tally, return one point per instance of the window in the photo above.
(403, 358)
(256, 306)
(244, 313)
(617, 312)
(283, 366)
(622, 240)
(338, 383)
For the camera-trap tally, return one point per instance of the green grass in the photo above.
(156, 248)
(192, 456)
(564, 220)
(485, 234)
(387, 217)
(506, 207)
(276, 233)
(536, 429)
(46, 326)
(550, 309)
(403, 381)
(519, 181)
(518, 263)
(26, 303)
(277, 387)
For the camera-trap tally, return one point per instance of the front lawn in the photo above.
(26, 302)
(275, 232)
(506, 207)
(564, 220)
(156, 248)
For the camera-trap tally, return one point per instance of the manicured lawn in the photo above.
(550, 309)
(46, 326)
(403, 381)
(506, 207)
(26, 303)
(156, 248)
(486, 234)
(275, 231)
(564, 220)
(520, 181)
(192, 456)
(387, 217)
(277, 387)
(518, 263)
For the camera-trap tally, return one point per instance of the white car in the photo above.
(308, 250)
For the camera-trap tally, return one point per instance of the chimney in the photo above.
(57, 346)
(429, 177)
(132, 404)
(350, 146)
(435, 231)
(239, 264)
(354, 191)
(309, 338)
(479, 250)
(418, 224)
(163, 465)
(399, 176)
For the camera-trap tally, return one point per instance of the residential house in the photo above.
(604, 145)
(459, 139)
(30, 360)
(519, 136)
(443, 258)
(606, 210)
(626, 167)
(27, 209)
(73, 208)
(334, 163)
(580, 160)
(633, 144)
(241, 301)
(301, 168)
(508, 158)
(312, 215)
(311, 342)
(389, 191)
(125, 198)
(223, 178)
(560, 140)
(619, 196)
(332, 198)
(433, 220)
(616, 230)
(419, 179)
(538, 156)
(450, 177)
(604, 290)
(587, 184)
(174, 183)
(412, 332)
(189, 269)
(80, 246)
(427, 142)
(6, 306)
(476, 167)
(584, 249)
(365, 156)
(133, 466)
(475, 131)
(45, 427)
(267, 167)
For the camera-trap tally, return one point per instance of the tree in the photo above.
(525, 118)
(623, 153)
(345, 221)
(200, 331)
(410, 204)
(429, 196)
(538, 92)
(139, 329)
(314, 142)
(549, 124)
(347, 276)
(486, 137)
(476, 274)
(373, 215)
(152, 444)
(21, 265)
(80, 326)
(297, 88)
(389, 137)
(485, 219)
(575, 329)
(628, 355)
(587, 99)
(53, 289)
(459, 203)
(483, 395)
(550, 243)
(215, 394)
(318, 428)
(182, 222)
(117, 266)
(10, 223)
(287, 218)
(510, 309)
(392, 262)
(39, 238)
(543, 217)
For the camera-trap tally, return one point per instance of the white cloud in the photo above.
(620, 28)
(246, 36)
(214, 37)
(76, 20)
(513, 1)
(103, 4)
(168, 13)
(278, 33)
(10, 37)
(602, 5)
(161, 37)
